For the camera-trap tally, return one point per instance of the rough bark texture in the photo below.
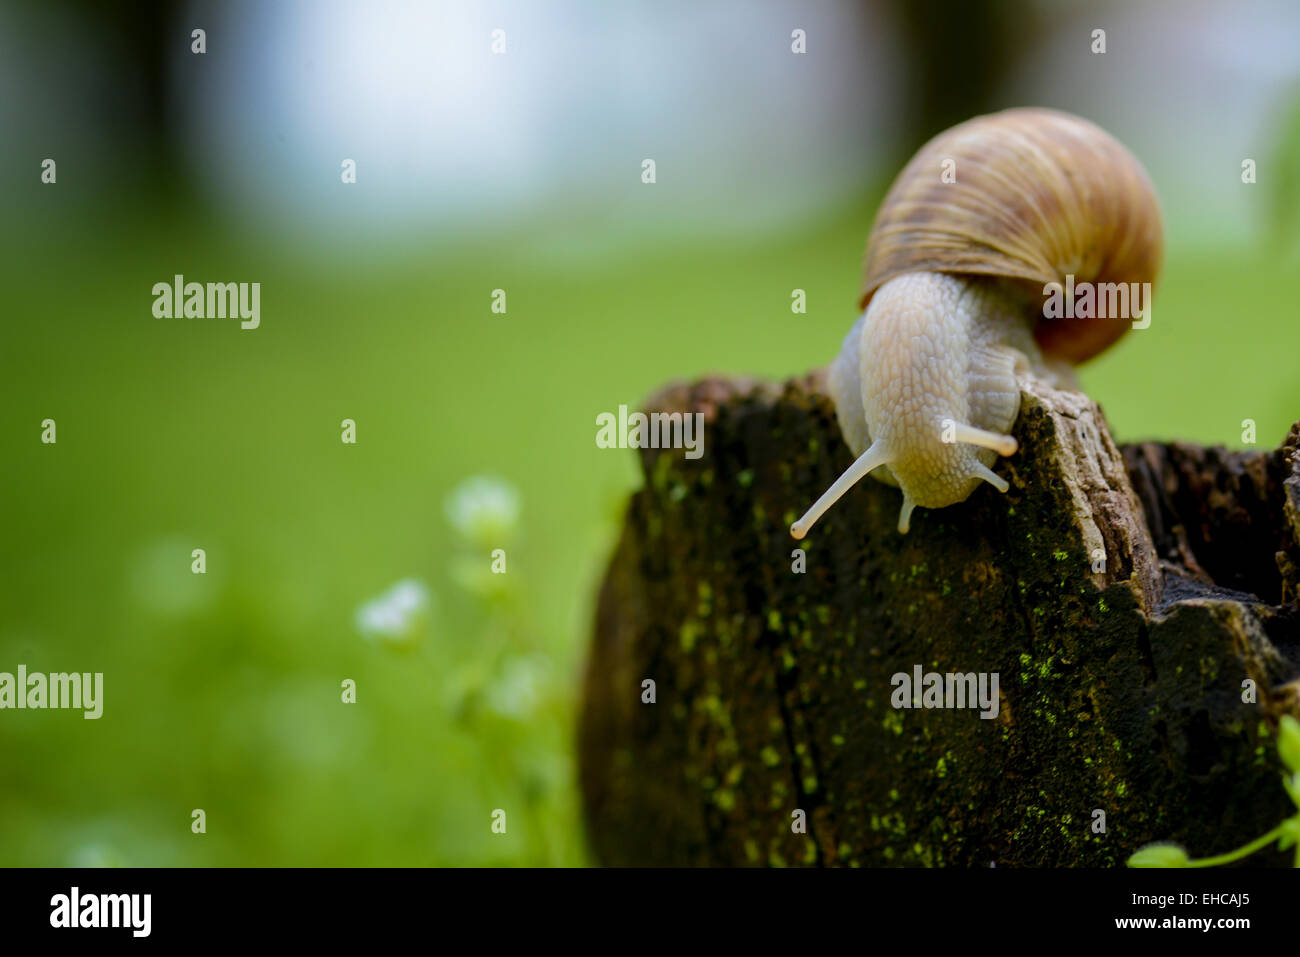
(1122, 596)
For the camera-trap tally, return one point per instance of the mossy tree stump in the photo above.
(1123, 596)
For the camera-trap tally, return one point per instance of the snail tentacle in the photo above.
(1001, 444)
(905, 514)
(980, 470)
(873, 457)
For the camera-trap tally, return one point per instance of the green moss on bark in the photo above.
(1120, 663)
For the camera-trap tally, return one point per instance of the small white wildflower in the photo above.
(484, 509)
(397, 617)
(519, 689)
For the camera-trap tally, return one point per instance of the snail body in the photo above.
(926, 386)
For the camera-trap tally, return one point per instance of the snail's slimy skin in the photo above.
(925, 388)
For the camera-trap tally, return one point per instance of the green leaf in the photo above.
(1292, 786)
(1288, 742)
(1290, 834)
(1159, 855)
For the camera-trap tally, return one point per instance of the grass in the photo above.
(222, 691)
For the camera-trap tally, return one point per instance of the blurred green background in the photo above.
(222, 691)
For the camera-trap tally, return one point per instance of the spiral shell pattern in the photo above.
(1038, 195)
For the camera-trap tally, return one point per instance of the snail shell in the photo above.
(1039, 195)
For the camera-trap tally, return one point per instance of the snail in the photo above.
(985, 224)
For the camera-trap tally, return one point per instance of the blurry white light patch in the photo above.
(484, 509)
(399, 617)
(519, 689)
(162, 578)
(449, 137)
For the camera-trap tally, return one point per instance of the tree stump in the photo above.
(1128, 598)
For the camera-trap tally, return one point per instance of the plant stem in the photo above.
(1241, 852)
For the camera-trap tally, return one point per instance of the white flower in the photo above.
(484, 509)
(397, 617)
(519, 688)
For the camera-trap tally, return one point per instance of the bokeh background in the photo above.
(478, 171)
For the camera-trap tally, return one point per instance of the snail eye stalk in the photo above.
(872, 458)
(1001, 444)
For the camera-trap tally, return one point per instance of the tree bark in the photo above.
(1122, 596)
